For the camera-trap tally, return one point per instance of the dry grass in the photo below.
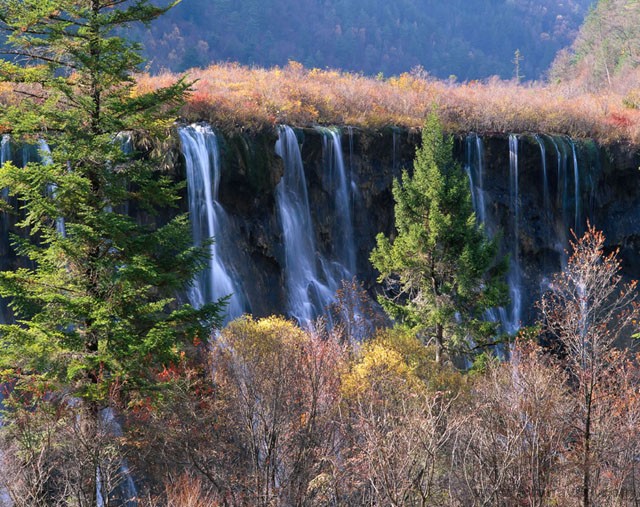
(185, 491)
(233, 96)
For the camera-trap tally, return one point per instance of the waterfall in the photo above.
(340, 186)
(124, 492)
(559, 246)
(125, 141)
(45, 159)
(475, 171)
(545, 177)
(209, 221)
(514, 278)
(6, 148)
(509, 320)
(577, 223)
(561, 209)
(350, 134)
(44, 152)
(308, 292)
(562, 196)
(396, 150)
(29, 153)
(594, 169)
(480, 164)
(5, 156)
(564, 202)
(546, 200)
(468, 168)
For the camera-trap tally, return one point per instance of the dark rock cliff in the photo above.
(608, 195)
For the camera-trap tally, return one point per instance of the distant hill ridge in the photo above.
(463, 38)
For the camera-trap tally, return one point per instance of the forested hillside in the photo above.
(471, 40)
(606, 52)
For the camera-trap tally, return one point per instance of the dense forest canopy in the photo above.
(471, 40)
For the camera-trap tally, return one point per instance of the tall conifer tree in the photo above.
(95, 305)
(441, 272)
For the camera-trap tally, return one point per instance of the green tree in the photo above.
(440, 272)
(95, 309)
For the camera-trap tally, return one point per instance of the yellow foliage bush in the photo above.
(257, 342)
(382, 370)
(421, 360)
(395, 364)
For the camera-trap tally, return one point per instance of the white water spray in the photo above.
(209, 221)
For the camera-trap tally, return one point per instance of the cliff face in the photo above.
(617, 198)
(286, 239)
(528, 197)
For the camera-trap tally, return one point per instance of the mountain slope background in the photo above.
(462, 38)
(606, 52)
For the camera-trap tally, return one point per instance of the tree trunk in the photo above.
(94, 415)
(439, 343)
(586, 474)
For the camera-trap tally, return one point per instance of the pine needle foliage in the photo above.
(95, 303)
(441, 272)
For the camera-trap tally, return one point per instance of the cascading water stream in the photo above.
(475, 172)
(545, 177)
(340, 186)
(5, 156)
(308, 293)
(562, 185)
(45, 159)
(593, 155)
(562, 210)
(566, 221)
(514, 278)
(355, 194)
(396, 150)
(509, 320)
(5, 151)
(350, 134)
(482, 213)
(576, 185)
(124, 492)
(209, 221)
(468, 168)
(546, 199)
(125, 141)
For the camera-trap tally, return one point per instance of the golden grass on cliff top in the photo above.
(233, 96)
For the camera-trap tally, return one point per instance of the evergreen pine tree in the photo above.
(95, 307)
(441, 272)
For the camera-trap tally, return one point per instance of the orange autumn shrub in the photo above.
(230, 95)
